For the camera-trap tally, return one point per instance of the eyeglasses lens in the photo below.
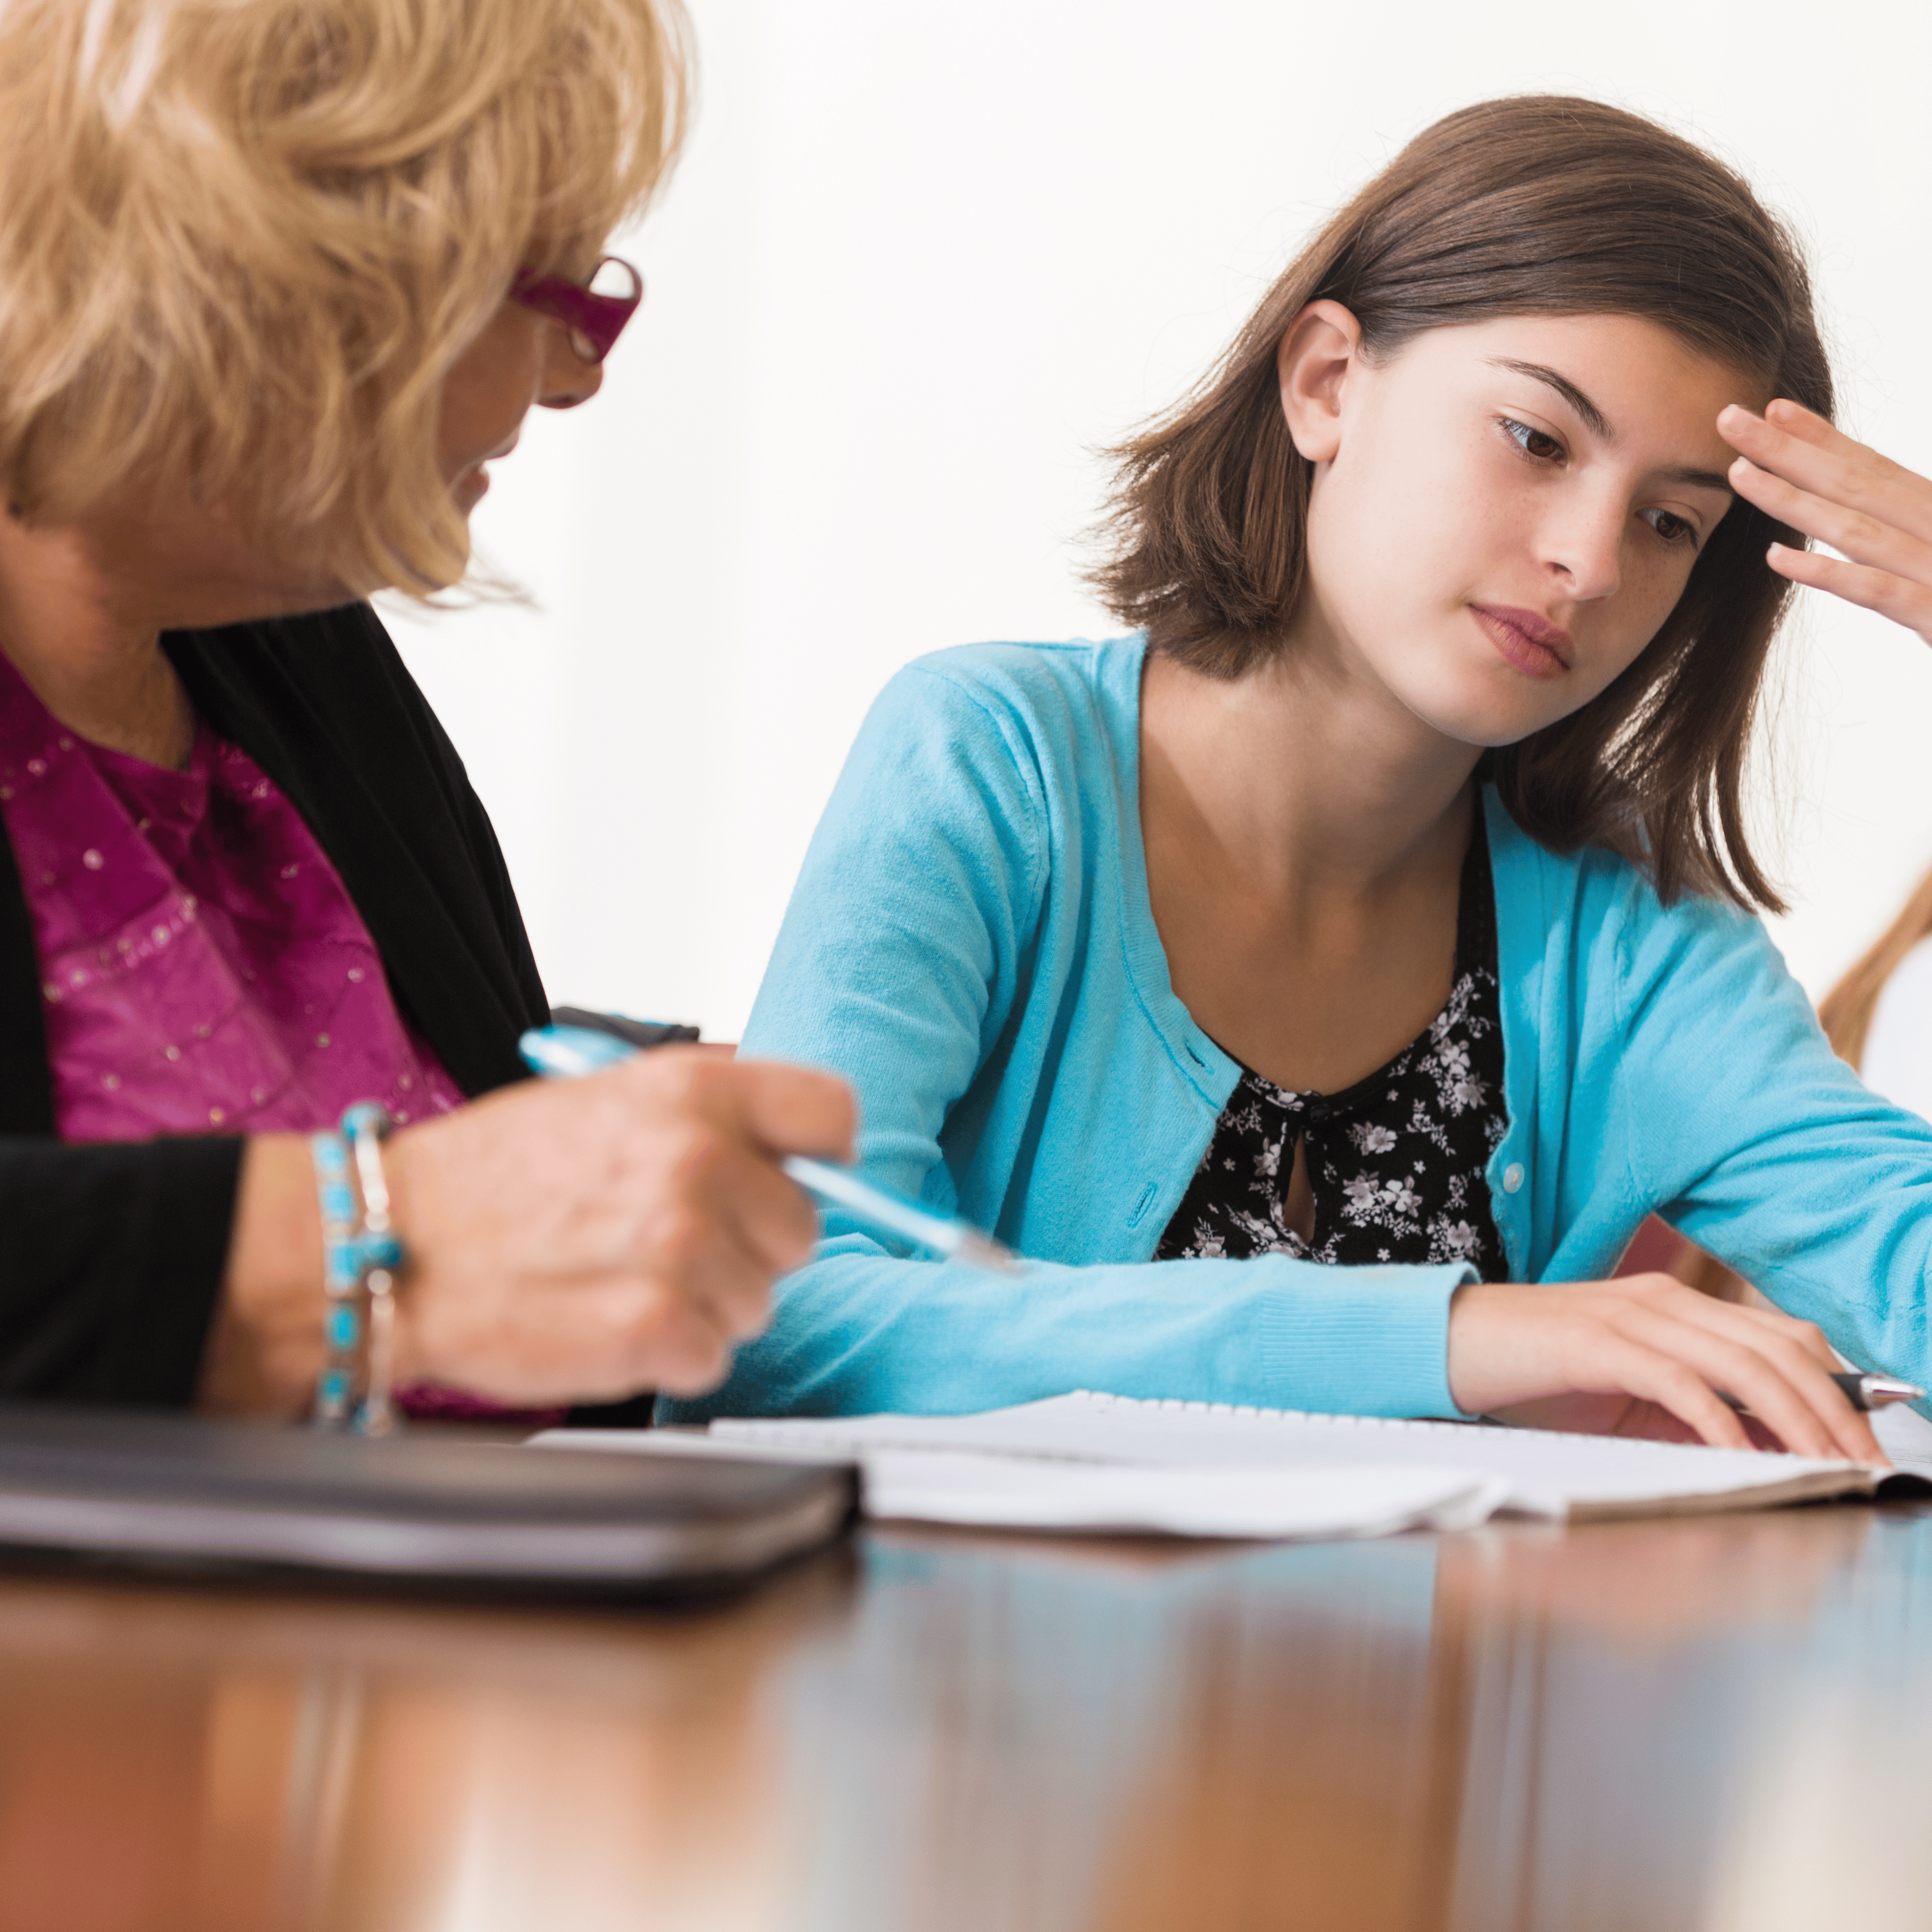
(615, 280)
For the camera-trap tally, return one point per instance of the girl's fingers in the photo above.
(1809, 1337)
(1723, 1364)
(1806, 451)
(1902, 601)
(1781, 1368)
(1660, 1378)
(1808, 1362)
(1791, 1375)
(1514, 1345)
(1863, 537)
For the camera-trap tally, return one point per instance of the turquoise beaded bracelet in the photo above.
(361, 1258)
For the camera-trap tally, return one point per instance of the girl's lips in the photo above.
(1526, 639)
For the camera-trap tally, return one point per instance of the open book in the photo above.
(1906, 1436)
(1085, 1461)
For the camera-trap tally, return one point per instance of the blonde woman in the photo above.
(278, 279)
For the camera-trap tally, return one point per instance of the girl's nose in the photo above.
(1584, 546)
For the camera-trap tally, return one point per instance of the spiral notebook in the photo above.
(1092, 1461)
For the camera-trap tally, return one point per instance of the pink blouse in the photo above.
(203, 968)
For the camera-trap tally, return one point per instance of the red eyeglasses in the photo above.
(593, 312)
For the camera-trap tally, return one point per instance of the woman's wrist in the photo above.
(362, 1257)
(264, 1346)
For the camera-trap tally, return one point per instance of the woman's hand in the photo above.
(590, 1238)
(1648, 1338)
(1794, 466)
(567, 1240)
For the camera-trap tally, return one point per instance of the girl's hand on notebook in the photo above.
(1647, 1339)
(1616, 1415)
(584, 1239)
(1795, 466)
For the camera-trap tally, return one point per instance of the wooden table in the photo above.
(1723, 1723)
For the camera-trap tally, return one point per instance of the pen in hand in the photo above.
(1862, 1391)
(570, 1050)
(1877, 1391)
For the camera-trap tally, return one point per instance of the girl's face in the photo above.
(1503, 514)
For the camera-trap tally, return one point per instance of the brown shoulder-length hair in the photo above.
(1539, 205)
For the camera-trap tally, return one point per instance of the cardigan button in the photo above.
(1512, 1177)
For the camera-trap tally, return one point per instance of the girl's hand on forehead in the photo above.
(1794, 466)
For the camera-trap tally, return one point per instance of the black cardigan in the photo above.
(111, 1255)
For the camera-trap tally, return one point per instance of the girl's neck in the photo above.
(1309, 784)
(1304, 836)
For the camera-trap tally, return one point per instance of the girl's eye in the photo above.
(1538, 443)
(1674, 529)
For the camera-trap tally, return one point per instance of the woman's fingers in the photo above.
(785, 1109)
(584, 1238)
(1824, 465)
(771, 1222)
(723, 1200)
(592, 1338)
(652, 1335)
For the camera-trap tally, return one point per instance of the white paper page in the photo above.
(1906, 1436)
(1030, 1493)
(1547, 1474)
(1000, 1491)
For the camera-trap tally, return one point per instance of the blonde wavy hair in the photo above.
(242, 241)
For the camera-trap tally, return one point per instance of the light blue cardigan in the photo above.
(970, 944)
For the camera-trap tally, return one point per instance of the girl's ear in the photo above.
(1322, 346)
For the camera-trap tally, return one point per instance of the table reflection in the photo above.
(207, 1762)
(1625, 1726)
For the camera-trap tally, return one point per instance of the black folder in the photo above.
(182, 1494)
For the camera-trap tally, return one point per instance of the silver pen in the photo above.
(1877, 1391)
(570, 1050)
(1862, 1391)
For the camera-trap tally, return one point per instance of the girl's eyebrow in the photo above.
(1699, 479)
(1594, 420)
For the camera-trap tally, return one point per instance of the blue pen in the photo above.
(569, 1050)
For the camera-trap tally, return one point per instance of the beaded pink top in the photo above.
(203, 968)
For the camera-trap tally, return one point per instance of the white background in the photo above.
(919, 263)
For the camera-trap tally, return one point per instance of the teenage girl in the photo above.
(1322, 983)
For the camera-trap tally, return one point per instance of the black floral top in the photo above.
(1396, 1162)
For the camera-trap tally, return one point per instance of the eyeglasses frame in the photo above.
(593, 322)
